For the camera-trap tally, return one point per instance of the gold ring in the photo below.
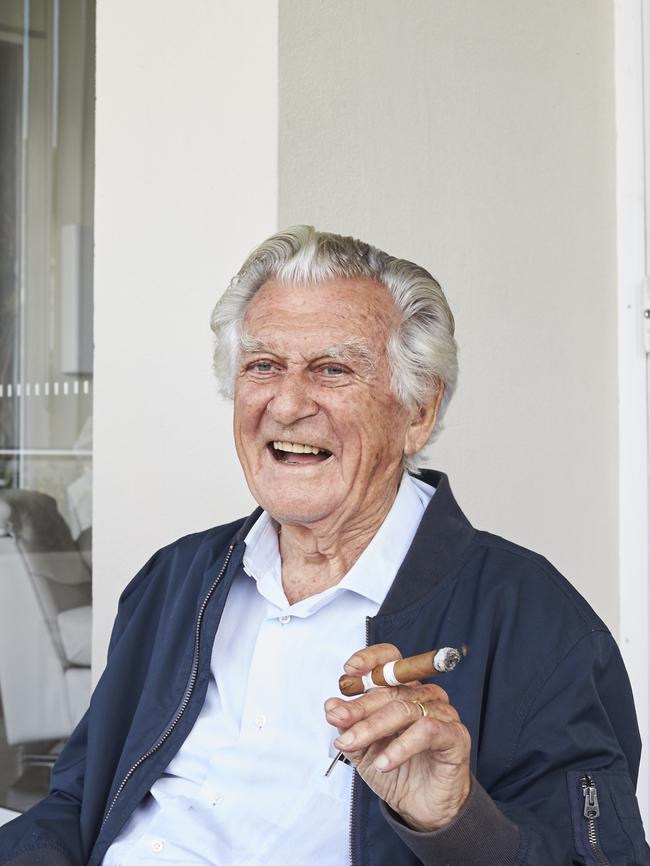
(422, 707)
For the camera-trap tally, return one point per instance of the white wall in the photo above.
(186, 182)
(475, 138)
(478, 139)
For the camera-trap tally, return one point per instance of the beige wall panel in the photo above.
(478, 139)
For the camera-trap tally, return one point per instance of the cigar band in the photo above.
(389, 674)
(366, 679)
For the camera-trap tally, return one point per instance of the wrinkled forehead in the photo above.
(340, 309)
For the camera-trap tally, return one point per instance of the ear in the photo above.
(423, 422)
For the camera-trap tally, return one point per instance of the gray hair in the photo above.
(422, 351)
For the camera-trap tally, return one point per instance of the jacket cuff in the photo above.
(479, 834)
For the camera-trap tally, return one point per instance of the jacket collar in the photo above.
(442, 537)
(246, 526)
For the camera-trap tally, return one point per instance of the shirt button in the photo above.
(157, 846)
(285, 618)
(260, 720)
(217, 799)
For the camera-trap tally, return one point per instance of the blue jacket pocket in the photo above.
(607, 826)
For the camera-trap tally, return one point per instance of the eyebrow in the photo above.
(352, 350)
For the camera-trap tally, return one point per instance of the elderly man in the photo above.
(210, 731)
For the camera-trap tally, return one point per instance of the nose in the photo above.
(291, 400)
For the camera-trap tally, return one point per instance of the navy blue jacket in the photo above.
(543, 692)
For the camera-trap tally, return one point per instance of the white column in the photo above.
(186, 182)
(632, 375)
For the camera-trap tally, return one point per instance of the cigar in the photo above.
(396, 673)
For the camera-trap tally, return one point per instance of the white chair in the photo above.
(45, 621)
(7, 815)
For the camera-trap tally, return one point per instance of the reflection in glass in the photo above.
(46, 207)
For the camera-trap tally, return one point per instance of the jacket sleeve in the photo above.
(49, 834)
(576, 755)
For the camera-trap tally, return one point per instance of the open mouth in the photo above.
(298, 453)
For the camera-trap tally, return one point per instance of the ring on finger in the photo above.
(421, 706)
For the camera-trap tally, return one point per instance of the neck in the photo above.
(318, 556)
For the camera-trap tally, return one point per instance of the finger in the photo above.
(367, 658)
(346, 713)
(388, 721)
(450, 741)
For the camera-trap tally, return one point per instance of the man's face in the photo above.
(313, 372)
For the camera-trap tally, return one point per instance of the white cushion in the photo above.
(7, 815)
(75, 628)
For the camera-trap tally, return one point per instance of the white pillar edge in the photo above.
(186, 182)
(634, 511)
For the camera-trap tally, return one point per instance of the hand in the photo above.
(419, 765)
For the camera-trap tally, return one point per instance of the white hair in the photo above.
(422, 352)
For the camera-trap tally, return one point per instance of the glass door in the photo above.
(46, 249)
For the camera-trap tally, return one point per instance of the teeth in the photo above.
(297, 448)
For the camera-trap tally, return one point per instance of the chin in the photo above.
(297, 511)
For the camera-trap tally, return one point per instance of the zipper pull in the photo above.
(592, 809)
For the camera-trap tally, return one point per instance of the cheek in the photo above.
(244, 429)
(389, 420)
(380, 425)
(249, 408)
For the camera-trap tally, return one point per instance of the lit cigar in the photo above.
(396, 673)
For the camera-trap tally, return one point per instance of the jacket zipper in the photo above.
(591, 812)
(354, 796)
(189, 688)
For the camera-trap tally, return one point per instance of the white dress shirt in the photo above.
(247, 787)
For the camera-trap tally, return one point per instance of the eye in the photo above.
(333, 375)
(263, 366)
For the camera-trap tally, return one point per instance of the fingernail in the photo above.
(338, 713)
(381, 763)
(344, 740)
(353, 664)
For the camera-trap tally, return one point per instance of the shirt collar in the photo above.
(372, 574)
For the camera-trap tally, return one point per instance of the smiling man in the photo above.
(211, 729)
(319, 431)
